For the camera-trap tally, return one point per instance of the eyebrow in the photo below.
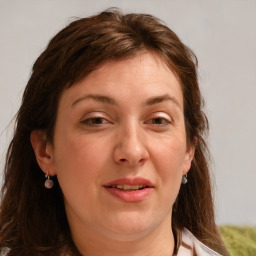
(111, 101)
(96, 97)
(161, 98)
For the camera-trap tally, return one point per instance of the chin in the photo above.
(128, 235)
(128, 229)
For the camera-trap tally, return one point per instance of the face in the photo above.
(119, 149)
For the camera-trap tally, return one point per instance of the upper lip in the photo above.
(130, 181)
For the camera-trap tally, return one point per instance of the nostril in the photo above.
(122, 160)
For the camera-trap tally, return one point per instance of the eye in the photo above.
(95, 121)
(160, 121)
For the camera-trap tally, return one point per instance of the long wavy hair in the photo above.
(32, 218)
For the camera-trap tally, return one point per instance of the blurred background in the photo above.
(223, 36)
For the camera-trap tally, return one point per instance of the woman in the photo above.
(109, 127)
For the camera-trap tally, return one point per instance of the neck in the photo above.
(160, 241)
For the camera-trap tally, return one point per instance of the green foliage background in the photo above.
(240, 241)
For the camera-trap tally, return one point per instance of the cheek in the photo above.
(78, 163)
(169, 158)
(170, 152)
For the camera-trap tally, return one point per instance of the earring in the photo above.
(48, 183)
(184, 179)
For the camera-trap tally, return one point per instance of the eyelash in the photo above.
(90, 121)
(99, 121)
(162, 119)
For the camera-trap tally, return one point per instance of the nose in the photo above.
(130, 149)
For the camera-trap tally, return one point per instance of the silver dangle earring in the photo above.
(48, 183)
(184, 179)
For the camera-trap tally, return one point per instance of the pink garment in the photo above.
(191, 246)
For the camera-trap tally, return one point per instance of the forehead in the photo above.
(142, 65)
(145, 75)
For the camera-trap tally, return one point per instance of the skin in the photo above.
(97, 140)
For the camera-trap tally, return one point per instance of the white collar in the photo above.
(191, 246)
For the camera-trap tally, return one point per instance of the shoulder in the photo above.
(191, 246)
(4, 251)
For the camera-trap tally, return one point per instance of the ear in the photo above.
(44, 151)
(189, 155)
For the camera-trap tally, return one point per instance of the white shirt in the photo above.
(191, 246)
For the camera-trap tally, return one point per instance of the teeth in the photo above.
(128, 187)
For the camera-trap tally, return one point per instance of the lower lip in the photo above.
(128, 195)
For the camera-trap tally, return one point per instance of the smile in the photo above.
(129, 187)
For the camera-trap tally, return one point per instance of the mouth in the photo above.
(130, 190)
(135, 183)
(128, 187)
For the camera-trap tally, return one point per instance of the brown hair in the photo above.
(32, 219)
